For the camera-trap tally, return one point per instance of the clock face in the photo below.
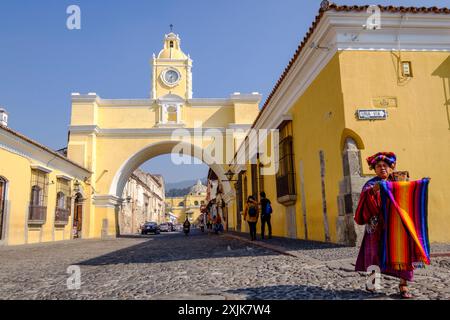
(171, 76)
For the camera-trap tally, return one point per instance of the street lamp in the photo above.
(229, 174)
(76, 186)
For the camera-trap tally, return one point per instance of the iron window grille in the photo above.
(286, 174)
(38, 197)
(63, 202)
(2, 204)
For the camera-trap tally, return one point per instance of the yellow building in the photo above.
(112, 138)
(189, 205)
(349, 92)
(42, 193)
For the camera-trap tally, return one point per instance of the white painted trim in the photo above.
(168, 125)
(84, 98)
(117, 103)
(17, 152)
(63, 176)
(88, 129)
(40, 168)
(252, 97)
(343, 31)
(335, 30)
(106, 200)
(161, 129)
(185, 60)
(236, 126)
(150, 103)
(34, 153)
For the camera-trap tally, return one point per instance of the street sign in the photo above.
(372, 114)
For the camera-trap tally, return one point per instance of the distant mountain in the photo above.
(183, 184)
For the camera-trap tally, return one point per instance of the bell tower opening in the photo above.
(171, 70)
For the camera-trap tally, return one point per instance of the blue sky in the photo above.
(236, 46)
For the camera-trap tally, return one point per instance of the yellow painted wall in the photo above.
(121, 117)
(318, 121)
(17, 171)
(417, 130)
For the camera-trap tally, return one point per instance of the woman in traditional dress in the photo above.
(369, 213)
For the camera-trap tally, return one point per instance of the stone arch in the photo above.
(350, 188)
(350, 134)
(148, 152)
(156, 149)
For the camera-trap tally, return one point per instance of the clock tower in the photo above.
(172, 73)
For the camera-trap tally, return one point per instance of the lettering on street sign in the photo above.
(372, 114)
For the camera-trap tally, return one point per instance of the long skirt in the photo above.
(370, 253)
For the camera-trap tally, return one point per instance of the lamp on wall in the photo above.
(229, 174)
(76, 186)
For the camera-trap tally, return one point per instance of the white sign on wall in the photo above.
(372, 114)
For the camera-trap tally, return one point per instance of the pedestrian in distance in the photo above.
(251, 214)
(266, 213)
(186, 226)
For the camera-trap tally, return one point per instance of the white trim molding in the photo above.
(40, 168)
(344, 31)
(38, 156)
(64, 177)
(107, 200)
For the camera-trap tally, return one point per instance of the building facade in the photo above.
(144, 201)
(43, 194)
(349, 92)
(189, 205)
(113, 137)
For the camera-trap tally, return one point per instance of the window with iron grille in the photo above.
(2, 204)
(63, 200)
(38, 197)
(286, 174)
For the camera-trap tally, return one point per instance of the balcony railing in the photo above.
(61, 216)
(37, 214)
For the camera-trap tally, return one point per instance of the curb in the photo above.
(262, 245)
(283, 251)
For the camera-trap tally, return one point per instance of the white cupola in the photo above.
(3, 117)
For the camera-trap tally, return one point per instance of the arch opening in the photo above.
(147, 153)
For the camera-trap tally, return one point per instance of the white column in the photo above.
(164, 113)
(178, 113)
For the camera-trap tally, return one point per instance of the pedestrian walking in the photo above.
(266, 213)
(218, 227)
(251, 214)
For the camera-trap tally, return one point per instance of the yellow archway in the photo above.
(112, 138)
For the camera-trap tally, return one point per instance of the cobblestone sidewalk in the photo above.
(199, 266)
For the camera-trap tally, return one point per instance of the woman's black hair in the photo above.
(250, 197)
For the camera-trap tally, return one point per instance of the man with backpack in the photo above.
(251, 216)
(266, 212)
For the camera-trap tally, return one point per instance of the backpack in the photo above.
(252, 211)
(268, 208)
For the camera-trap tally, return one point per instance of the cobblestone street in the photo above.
(201, 266)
